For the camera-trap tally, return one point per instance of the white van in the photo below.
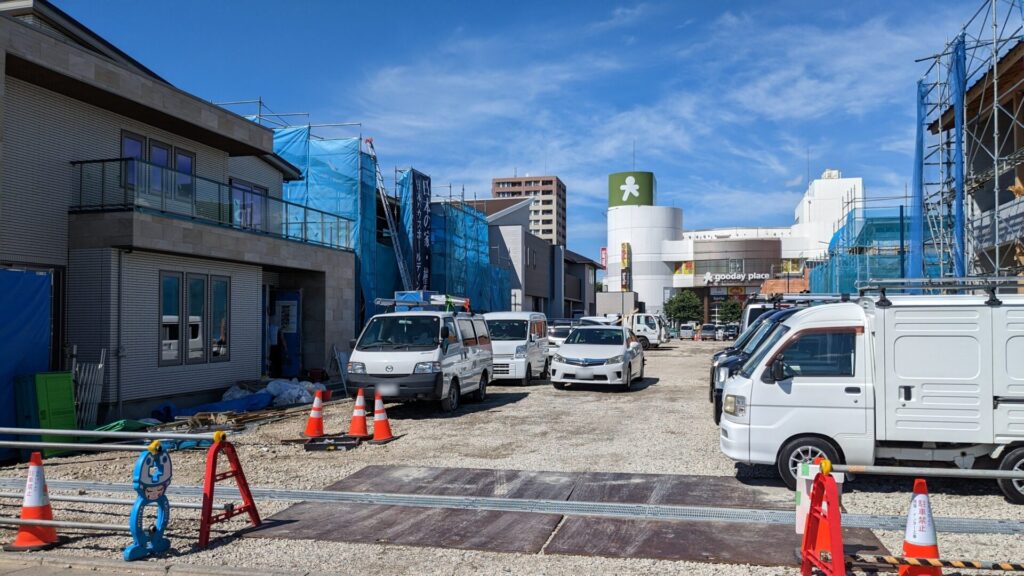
(520, 343)
(423, 356)
(915, 378)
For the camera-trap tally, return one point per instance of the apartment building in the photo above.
(547, 213)
(159, 216)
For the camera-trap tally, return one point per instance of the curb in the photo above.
(142, 568)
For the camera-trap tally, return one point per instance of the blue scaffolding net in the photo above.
(339, 178)
(872, 244)
(460, 263)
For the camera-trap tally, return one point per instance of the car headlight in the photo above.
(734, 405)
(427, 368)
(356, 368)
(723, 373)
(558, 358)
(614, 360)
(520, 351)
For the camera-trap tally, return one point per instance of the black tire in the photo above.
(643, 364)
(558, 385)
(802, 449)
(546, 373)
(1013, 489)
(718, 408)
(450, 403)
(628, 375)
(528, 377)
(644, 342)
(480, 394)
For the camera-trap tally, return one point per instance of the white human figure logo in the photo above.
(630, 188)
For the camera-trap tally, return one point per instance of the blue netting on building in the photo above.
(339, 178)
(460, 258)
(867, 246)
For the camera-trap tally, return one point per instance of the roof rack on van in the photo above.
(812, 297)
(990, 284)
(437, 302)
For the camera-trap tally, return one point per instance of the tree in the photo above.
(684, 307)
(730, 311)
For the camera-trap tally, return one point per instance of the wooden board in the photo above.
(718, 542)
(522, 532)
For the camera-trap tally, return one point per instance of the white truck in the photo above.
(913, 378)
(650, 329)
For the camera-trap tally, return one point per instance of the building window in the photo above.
(195, 303)
(185, 171)
(133, 147)
(220, 318)
(247, 204)
(170, 318)
(159, 162)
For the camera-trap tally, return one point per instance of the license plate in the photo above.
(584, 373)
(388, 389)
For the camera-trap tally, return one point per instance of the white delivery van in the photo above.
(423, 356)
(649, 329)
(930, 378)
(520, 344)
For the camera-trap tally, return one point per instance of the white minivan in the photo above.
(423, 356)
(923, 378)
(520, 344)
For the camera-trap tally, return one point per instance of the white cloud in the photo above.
(794, 181)
(621, 17)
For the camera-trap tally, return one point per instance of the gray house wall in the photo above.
(43, 133)
(255, 170)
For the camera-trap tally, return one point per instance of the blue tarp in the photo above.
(24, 335)
(460, 258)
(915, 252)
(168, 411)
(331, 182)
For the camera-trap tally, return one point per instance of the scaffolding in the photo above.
(460, 262)
(968, 194)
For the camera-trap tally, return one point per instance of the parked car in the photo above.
(423, 355)
(598, 355)
(707, 332)
(556, 335)
(732, 331)
(520, 342)
(908, 377)
(686, 332)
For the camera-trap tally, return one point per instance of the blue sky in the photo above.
(723, 99)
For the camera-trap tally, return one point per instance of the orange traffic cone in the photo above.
(315, 422)
(357, 429)
(381, 427)
(36, 506)
(919, 540)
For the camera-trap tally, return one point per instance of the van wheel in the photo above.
(528, 377)
(450, 403)
(1013, 489)
(717, 407)
(558, 385)
(480, 394)
(644, 342)
(800, 450)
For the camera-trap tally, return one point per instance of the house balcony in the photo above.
(130, 185)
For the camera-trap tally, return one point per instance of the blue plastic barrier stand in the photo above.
(150, 479)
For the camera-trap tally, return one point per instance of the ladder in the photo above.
(403, 270)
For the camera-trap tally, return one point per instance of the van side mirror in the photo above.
(446, 333)
(778, 369)
(352, 344)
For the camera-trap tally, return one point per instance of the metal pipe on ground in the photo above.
(930, 472)
(99, 434)
(65, 524)
(71, 446)
(118, 502)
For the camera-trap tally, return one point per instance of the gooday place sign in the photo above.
(734, 277)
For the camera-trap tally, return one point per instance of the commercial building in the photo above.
(650, 253)
(161, 220)
(547, 213)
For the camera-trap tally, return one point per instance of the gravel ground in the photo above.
(664, 427)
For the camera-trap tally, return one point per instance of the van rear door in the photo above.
(938, 373)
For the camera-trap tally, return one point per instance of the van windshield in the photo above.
(507, 329)
(755, 359)
(401, 333)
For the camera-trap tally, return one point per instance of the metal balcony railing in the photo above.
(130, 184)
